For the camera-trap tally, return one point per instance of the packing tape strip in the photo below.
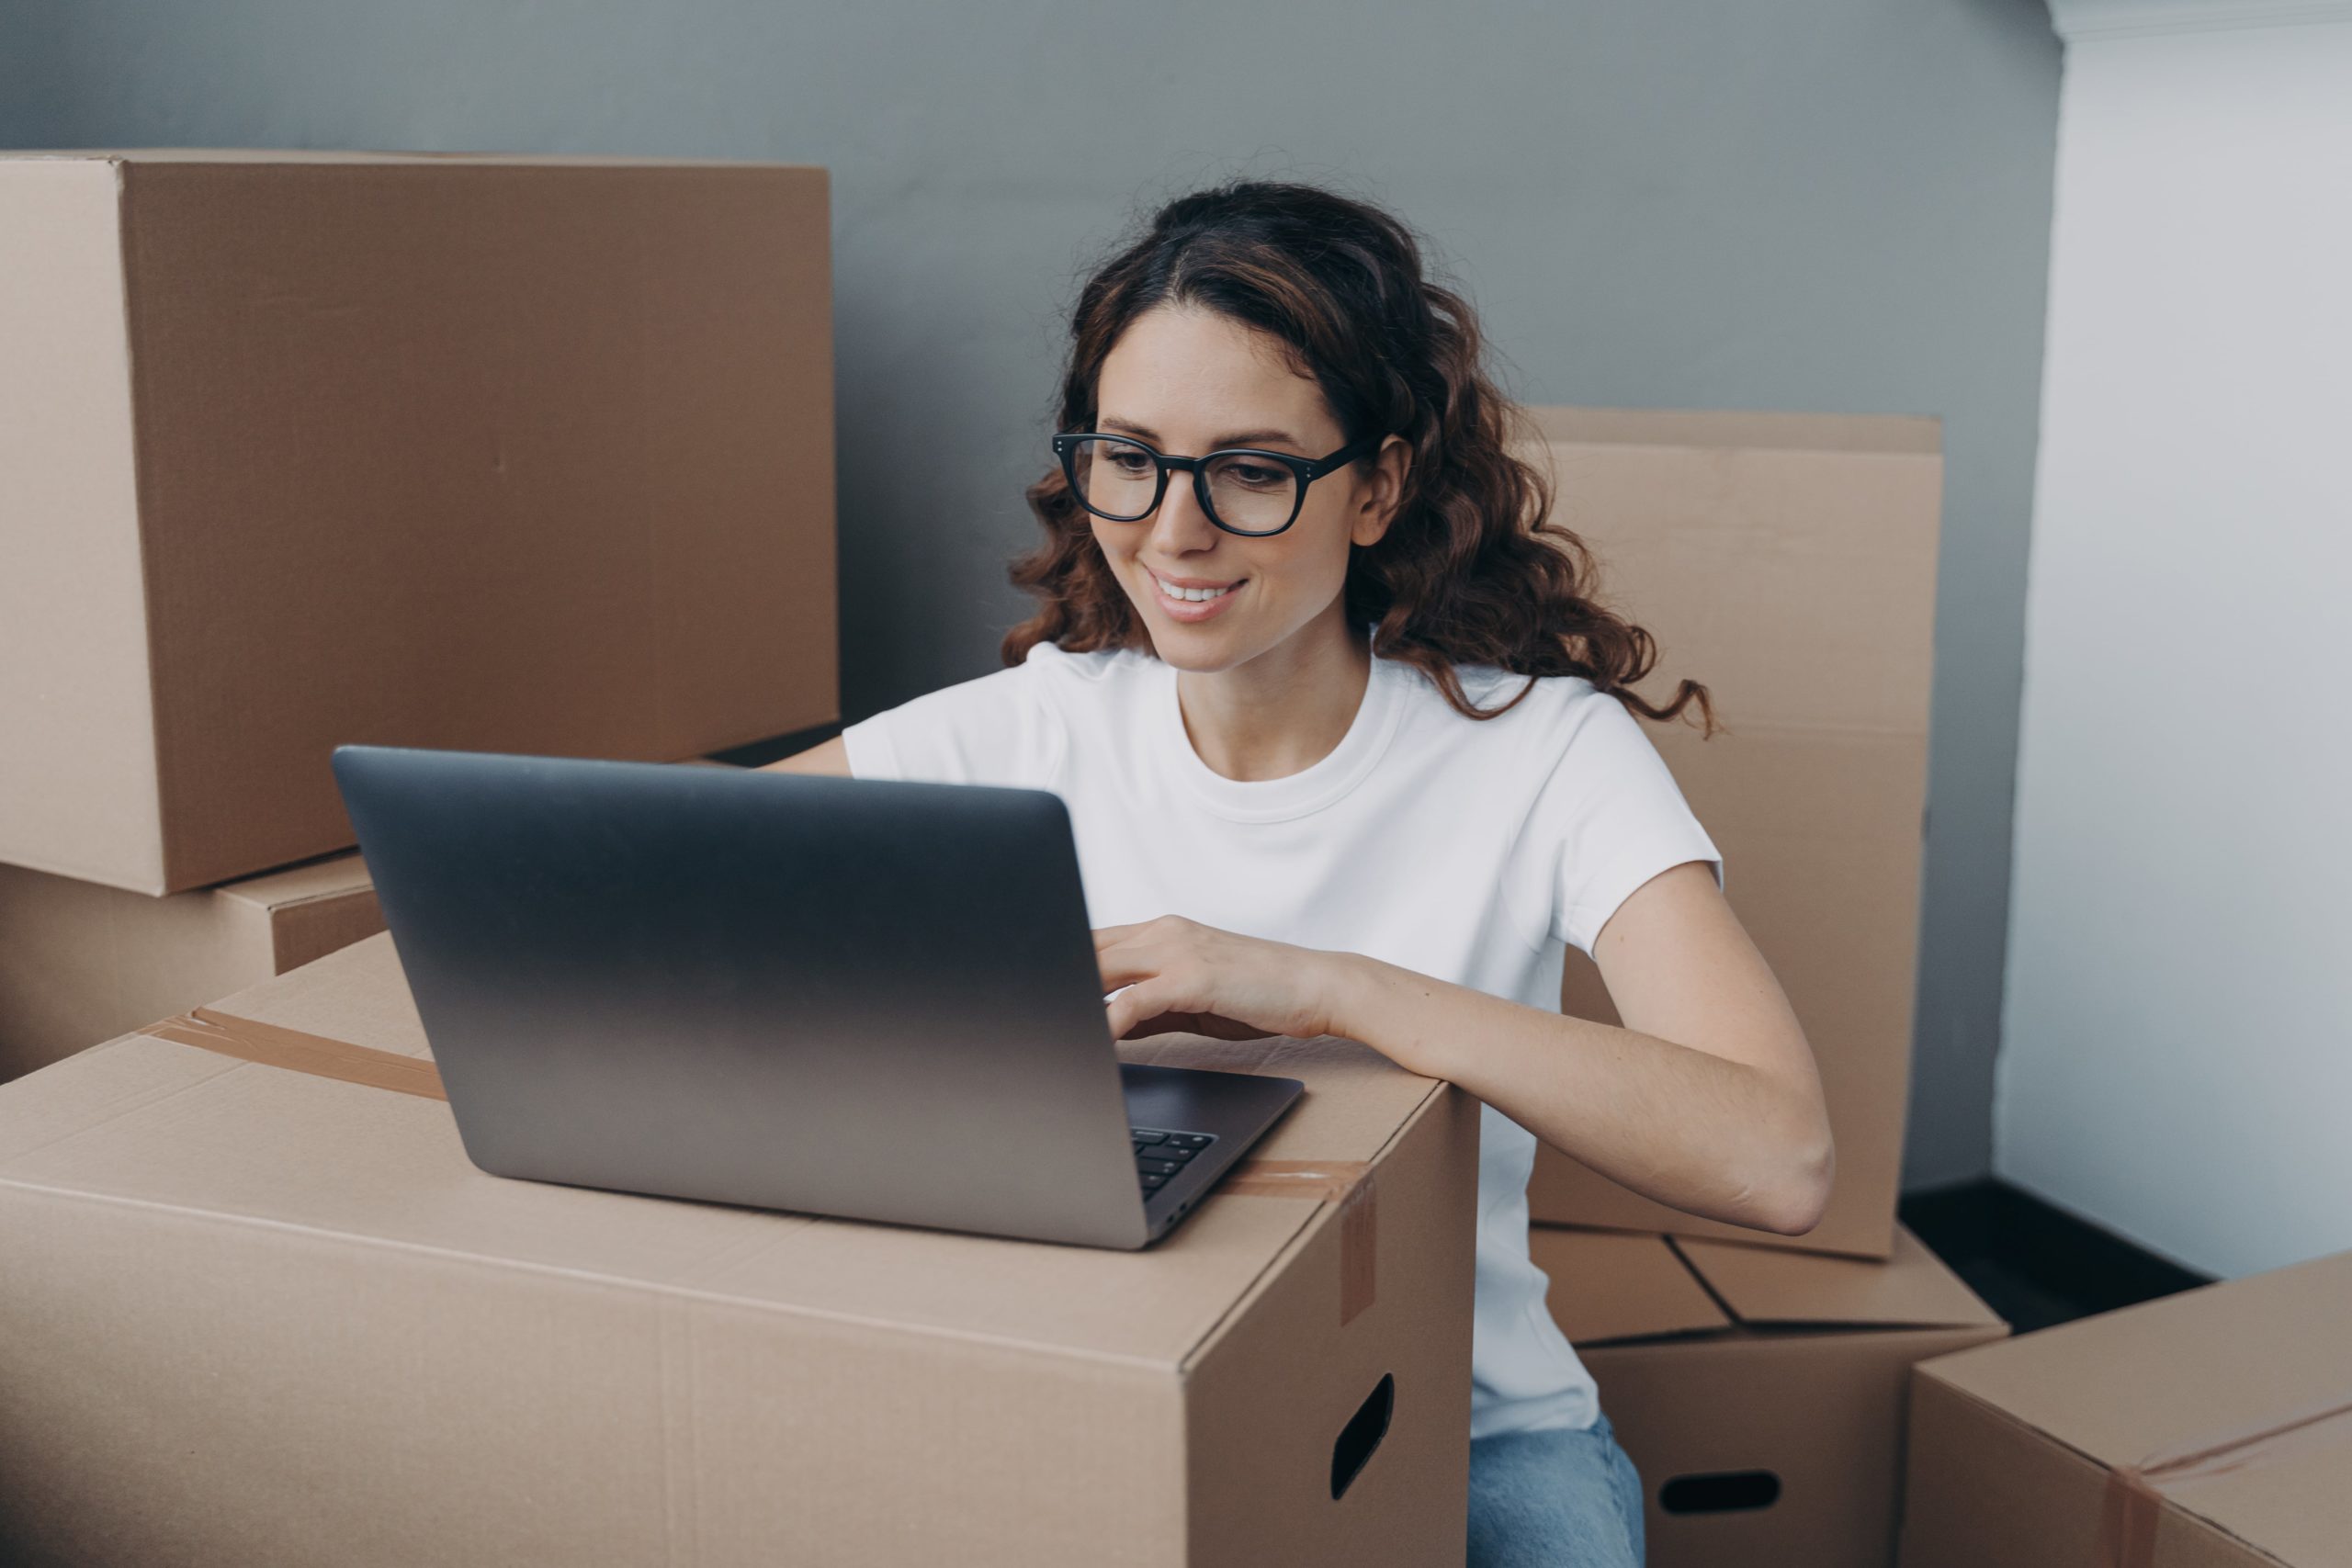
(250, 1040)
(1347, 1183)
(2136, 1492)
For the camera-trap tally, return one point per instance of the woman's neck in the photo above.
(1283, 711)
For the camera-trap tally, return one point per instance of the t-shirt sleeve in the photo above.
(994, 730)
(1607, 817)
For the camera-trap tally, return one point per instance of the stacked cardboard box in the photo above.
(1788, 563)
(260, 1314)
(80, 962)
(2211, 1429)
(502, 454)
(1760, 1390)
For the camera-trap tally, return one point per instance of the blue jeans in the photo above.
(1557, 1499)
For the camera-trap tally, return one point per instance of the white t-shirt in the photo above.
(1468, 850)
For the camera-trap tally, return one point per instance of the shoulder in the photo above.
(1559, 744)
(1542, 717)
(1083, 683)
(1006, 726)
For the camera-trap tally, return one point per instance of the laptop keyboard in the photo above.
(1161, 1154)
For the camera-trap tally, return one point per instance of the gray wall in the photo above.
(1825, 205)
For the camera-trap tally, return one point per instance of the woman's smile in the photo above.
(1192, 599)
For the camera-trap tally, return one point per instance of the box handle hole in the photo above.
(1723, 1492)
(1362, 1434)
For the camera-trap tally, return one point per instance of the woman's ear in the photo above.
(1383, 491)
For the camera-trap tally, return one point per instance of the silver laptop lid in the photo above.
(870, 998)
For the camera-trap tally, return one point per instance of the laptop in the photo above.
(862, 998)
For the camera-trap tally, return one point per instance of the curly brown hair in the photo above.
(1472, 570)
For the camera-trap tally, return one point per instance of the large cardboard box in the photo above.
(254, 1315)
(502, 454)
(1760, 1391)
(81, 963)
(1788, 563)
(2210, 1429)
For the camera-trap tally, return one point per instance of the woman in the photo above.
(1346, 745)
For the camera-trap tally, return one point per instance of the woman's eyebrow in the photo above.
(1236, 438)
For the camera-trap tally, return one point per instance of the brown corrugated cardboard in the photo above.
(257, 1315)
(525, 455)
(1759, 1391)
(2211, 1429)
(81, 963)
(1788, 563)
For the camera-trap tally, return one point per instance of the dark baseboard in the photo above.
(2033, 1263)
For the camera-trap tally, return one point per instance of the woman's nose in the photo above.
(1180, 524)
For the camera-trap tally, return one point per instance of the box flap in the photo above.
(337, 876)
(1774, 1287)
(261, 1144)
(1787, 562)
(2209, 1370)
(310, 910)
(1610, 1285)
(2291, 1503)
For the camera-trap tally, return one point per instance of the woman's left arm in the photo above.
(1706, 1099)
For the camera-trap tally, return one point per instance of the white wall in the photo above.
(2176, 1058)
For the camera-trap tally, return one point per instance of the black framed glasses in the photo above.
(1242, 490)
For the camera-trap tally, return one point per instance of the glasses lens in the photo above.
(1254, 494)
(1115, 478)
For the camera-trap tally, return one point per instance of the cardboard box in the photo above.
(500, 453)
(1760, 1391)
(2210, 1429)
(1788, 563)
(254, 1315)
(81, 963)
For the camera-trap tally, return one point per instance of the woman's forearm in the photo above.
(1696, 1131)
